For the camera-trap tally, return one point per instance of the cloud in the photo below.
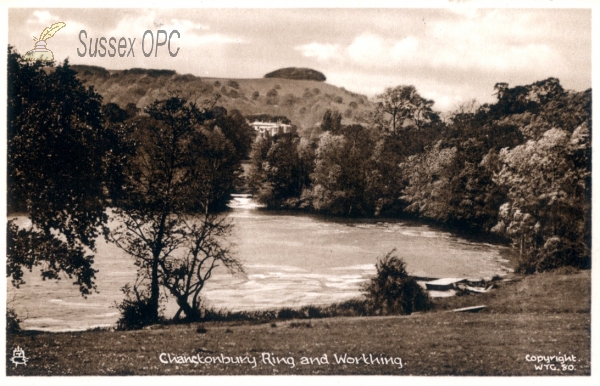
(217, 39)
(377, 51)
(318, 50)
(368, 49)
(43, 17)
(405, 49)
(486, 40)
(192, 32)
(189, 25)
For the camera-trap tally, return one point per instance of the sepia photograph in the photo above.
(298, 190)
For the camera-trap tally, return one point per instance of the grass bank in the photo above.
(540, 315)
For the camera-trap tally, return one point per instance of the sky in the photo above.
(451, 55)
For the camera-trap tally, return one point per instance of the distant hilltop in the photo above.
(297, 74)
(298, 94)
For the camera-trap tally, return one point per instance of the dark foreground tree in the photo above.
(181, 168)
(56, 148)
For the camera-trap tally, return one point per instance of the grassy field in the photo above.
(541, 315)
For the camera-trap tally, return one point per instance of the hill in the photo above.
(303, 101)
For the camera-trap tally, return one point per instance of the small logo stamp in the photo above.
(19, 357)
(40, 52)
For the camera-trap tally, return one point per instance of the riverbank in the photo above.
(529, 316)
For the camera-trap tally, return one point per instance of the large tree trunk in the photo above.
(154, 290)
(191, 314)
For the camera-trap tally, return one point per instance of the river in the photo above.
(290, 260)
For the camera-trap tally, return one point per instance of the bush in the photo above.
(13, 323)
(272, 93)
(392, 291)
(136, 309)
(289, 99)
(556, 252)
(233, 84)
(255, 95)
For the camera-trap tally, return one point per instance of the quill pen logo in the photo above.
(40, 52)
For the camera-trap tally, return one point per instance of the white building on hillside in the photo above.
(269, 127)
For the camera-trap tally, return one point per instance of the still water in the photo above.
(289, 259)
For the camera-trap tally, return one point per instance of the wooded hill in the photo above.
(304, 102)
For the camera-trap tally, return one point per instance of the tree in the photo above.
(332, 121)
(548, 208)
(392, 290)
(165, 218)
(405, 107)
(114, 113)
(429, 177)
(345, 179)
(56, 151)
(235, 127)
(280, 169)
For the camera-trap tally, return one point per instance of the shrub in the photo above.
(255, 95)
(338, 99)
(288, 313)
(136, 309)
(353, 105)
(392, 291)
(272, 93)
(289, 99)
(556, 252)
(217, 83)
(13, 323)
(233, 84)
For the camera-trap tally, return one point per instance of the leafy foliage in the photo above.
(280, 168)
(29, 248)
(136, 309)
(548, 216)
(57, 148)
(402, 107)
(392, 291)
(184, 167)
(13, 322)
